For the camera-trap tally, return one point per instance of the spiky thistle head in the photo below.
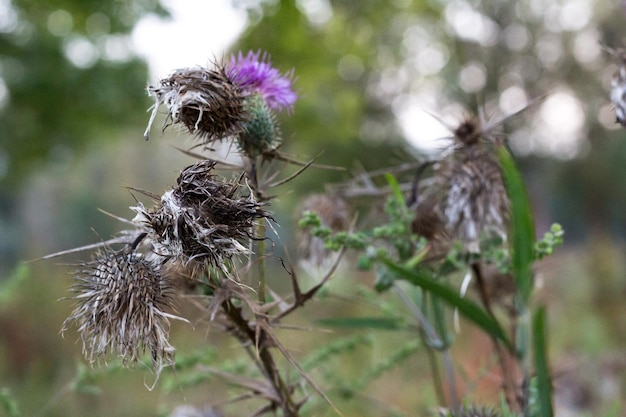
(202, 220)
(468, 194)
(468, 132)
(207, 102)
(121, 307)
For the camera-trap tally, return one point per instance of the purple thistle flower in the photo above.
(254, 73)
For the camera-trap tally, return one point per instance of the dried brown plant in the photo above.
(122, 303)
(204, 219)
(205, 101)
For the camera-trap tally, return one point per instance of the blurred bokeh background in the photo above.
(378, 83)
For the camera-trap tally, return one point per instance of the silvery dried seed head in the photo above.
(121, 302)
(618, 92)
(468, 193)
(203, 219)
(205, 101)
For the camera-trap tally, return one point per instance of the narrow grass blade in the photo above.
(544, 381)
(395, 187)
(374, 323)
(523, 229)
(467, 308)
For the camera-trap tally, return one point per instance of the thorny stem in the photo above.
(247, 335)
(261, 258)
(508, 379)
(260, 230)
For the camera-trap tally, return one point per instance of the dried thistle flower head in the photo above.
(206, 101)
(618, 88)
(334, 214)
(202, 219)
(468, 193)
(121, 302)
(211, 103)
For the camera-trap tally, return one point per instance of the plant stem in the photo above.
(508, 380)
(435, 374)
(248, 335)
(261, 258)
(431, 338)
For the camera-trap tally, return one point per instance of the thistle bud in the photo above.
(260, 132)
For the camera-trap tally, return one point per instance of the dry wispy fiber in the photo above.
(334, 214)
(121, 302)
(202, 220)
(467, 192)
(205, 101)
(618, 87)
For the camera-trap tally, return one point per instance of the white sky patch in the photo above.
(512, 99)
(8, 17)
(470, 24)
(423, 130)
(558, 131)
(318, 12)
(197, 33)
(80, 51)
(575, 14)
(473, 77)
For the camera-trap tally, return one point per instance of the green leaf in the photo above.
(523, 229)
(544, 382)
(395, 187)
(8, 403)
(470, 310)
(378, 323)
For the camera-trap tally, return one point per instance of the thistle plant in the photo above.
(466, 214)
(201, 235)
(122, 307)
(204, 220)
